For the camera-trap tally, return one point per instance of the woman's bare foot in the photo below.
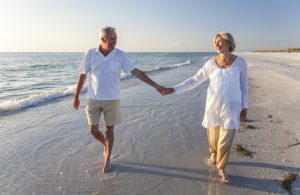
(224, 177)
(212, 159)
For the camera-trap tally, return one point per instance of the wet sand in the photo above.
(160, 146)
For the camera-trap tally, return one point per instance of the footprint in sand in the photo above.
(115, 156)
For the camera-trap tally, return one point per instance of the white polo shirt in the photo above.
(104, 73)
(227, 93)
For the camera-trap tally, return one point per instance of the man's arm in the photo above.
(143, 77)
(80, 83)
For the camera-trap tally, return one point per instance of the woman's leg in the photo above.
(224, 144)
(213, 138)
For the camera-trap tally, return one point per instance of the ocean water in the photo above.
(34, 79)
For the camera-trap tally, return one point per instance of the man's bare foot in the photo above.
(212, 159)
(106, 167)
(224, 178)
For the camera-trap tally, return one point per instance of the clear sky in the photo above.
(148, 25)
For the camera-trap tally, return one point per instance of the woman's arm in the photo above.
(193, 81)
(244, 91)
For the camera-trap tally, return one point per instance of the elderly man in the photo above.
(104, 64)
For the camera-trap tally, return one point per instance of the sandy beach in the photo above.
(160, 147)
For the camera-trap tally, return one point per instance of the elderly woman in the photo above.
(227, 98)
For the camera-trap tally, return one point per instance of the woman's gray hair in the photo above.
(228, 37)
(105, 30)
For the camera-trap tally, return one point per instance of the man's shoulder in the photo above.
(119, 51)
(91, 50)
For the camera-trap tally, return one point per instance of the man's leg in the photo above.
(112, 116)
(99, 136)
(109, 141)
(93, 113)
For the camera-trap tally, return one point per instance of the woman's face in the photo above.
(221, 45)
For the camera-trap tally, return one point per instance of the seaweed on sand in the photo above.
(242, 151)
(288, 180)
(245, 125)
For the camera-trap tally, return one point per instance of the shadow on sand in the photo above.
(266, 165)
(208, 176)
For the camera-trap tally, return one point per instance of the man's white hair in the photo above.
(105, 30)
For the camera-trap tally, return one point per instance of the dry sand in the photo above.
(274, 110)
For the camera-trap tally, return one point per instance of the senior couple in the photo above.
(226, 103)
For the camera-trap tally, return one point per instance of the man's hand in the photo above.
(160, 89)
(76, 102)
(80, 83)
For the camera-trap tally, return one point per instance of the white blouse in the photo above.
(227, 93)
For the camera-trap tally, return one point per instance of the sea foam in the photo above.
(48, 96)
(35, 99)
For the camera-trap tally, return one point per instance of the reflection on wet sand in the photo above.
(213, 182)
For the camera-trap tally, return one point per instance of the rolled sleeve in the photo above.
(127, 65)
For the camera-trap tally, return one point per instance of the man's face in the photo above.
(110, 41)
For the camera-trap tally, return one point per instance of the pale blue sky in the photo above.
(148, 25)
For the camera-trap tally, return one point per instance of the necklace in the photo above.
(224, 62)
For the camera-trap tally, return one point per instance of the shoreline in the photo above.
(160, 146)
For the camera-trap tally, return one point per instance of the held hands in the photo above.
(165, 91)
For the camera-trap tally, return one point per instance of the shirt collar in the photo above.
(97, 50)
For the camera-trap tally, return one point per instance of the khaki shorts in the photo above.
(110, 108)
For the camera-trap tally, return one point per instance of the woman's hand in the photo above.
(243, 115)
(167, 91)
